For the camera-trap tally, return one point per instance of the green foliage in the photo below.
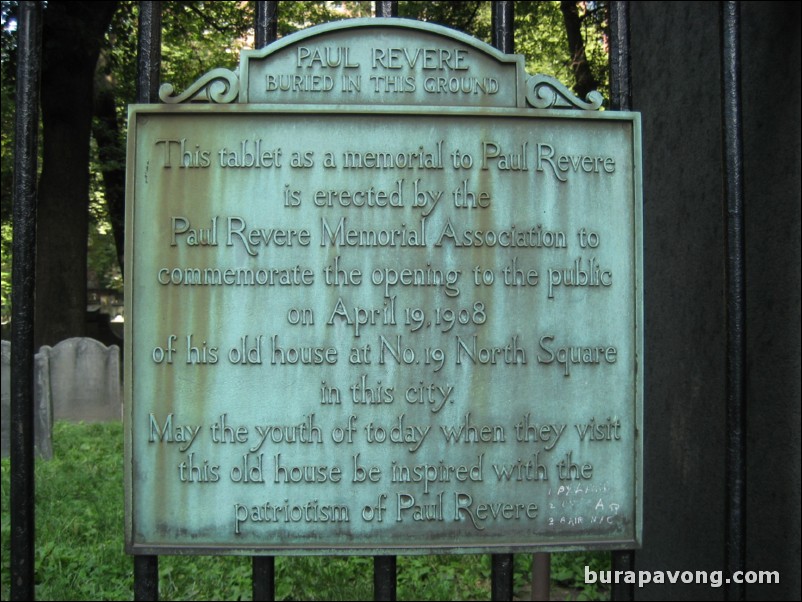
(294, 16)
(595, 32)
(5, 270)
(198, 36)
(568, 572)
(470, 17)
(102, 267)
(324, 578)
(79, 516)
(540, 36)
(7, 112)
(451, 577)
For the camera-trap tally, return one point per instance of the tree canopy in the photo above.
(89, 76)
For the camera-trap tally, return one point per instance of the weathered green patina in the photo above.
(382, 298)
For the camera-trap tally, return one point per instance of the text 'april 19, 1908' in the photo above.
(360, 331)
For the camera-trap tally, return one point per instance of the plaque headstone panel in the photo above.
(43, 410)
(382, 322)
(84, 377)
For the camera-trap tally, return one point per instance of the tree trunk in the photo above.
(111, 152)
(73, 33)
(585, 82)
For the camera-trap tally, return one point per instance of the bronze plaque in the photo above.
(382, 328)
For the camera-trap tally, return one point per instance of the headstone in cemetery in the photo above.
(382, 298)
(43, 412)
(84, 379)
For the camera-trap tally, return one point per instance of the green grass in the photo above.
(79, 546)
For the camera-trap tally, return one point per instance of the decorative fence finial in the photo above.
(545, 92)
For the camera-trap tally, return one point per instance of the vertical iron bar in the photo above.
(736, 300)
(266, 23)
(386, 8)
(541, 576)
(384, 578)
(384, 567)
(620, 64)
(501, 569)
(621, 100)
(146, 568)
(263, 568)
(501, 572)
(264, 578)
(623, 560)
(502, 17)
(149, 52)
(146, 578)
(23, 280)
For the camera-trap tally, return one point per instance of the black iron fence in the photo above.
(23, 280)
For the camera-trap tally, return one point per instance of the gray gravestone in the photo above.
(84, 380)
(43, 414)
